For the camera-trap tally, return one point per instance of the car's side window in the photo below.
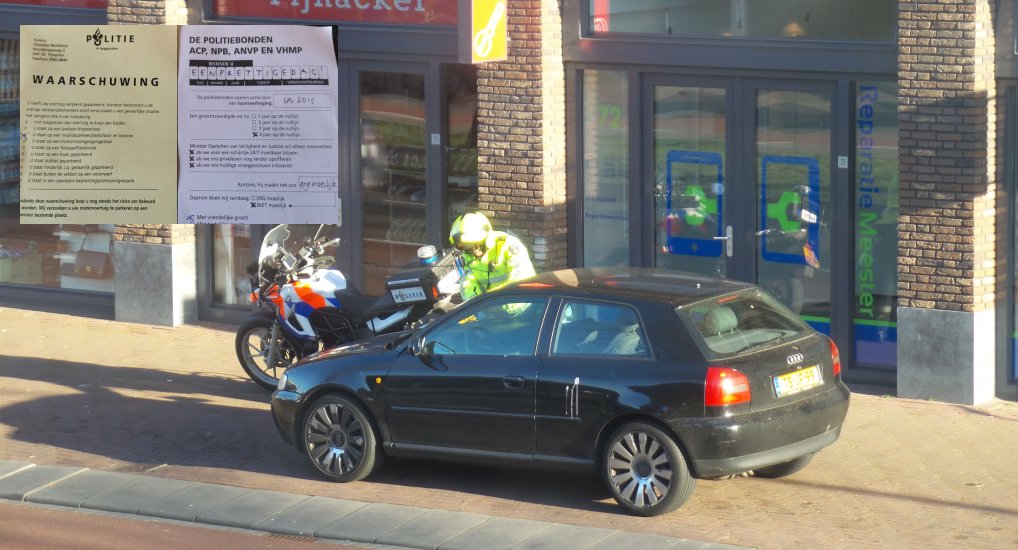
(598, 328)
(505, 326)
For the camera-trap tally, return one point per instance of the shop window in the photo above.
(461, 154)
(876, 223)
(9, 114)
(231, 254)
(77, 257)
(859, 20)
(605, 168)
(393, 172)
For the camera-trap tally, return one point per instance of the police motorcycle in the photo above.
(306, 305)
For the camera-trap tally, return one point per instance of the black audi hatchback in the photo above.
(649, 378)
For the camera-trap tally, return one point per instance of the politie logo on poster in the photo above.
(109, 41)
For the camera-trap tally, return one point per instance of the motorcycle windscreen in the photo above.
(274, 239)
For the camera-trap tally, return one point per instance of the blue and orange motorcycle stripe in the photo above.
(308, 295)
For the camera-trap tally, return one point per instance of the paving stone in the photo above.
(565, 537)
(369, 523)
(8, 467)
(496, 534)
(622, 540)
(432, 529)
(136, 494)
(700, 545)
(76, 489)
(250, 508)
(189, 503)
(307, 517)
(29, 480)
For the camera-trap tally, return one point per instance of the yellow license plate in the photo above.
(797, 381)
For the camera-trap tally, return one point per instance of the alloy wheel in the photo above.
(640, 469)
(335, 439)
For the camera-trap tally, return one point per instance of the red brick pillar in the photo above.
(947, 134)
(154, 265)
(521, 134)
(147, 12)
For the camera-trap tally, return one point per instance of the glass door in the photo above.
(794, 199)
(393, 172)
(692, 224)
(742, 184)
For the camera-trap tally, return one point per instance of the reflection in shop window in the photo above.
(858, 20)
(605, 169)
(77, 257)
(461, 154)
(231, 254)
(876, 223)
(393, 173)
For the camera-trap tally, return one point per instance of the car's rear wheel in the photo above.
(645, 470)
(785, 468)
(340, 440)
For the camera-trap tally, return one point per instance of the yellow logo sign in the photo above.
(488, 31)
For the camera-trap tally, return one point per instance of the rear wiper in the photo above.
(750, 347)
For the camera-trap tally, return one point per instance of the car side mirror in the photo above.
(416, 346)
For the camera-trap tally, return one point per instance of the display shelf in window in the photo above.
(10, 170)
(86, 257)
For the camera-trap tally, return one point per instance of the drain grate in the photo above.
(295, 538)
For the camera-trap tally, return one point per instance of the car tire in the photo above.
(785, 468)
(340, 439)
(249, 351)
(645, 470)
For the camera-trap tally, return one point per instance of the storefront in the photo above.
(810, 147)
(412, 157)
(751, 140)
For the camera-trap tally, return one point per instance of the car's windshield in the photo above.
(741, 323)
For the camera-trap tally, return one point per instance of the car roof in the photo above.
(661, 285)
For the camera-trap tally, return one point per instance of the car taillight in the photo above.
(835, 359)
(726, 386)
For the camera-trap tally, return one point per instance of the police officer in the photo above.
(491, 258)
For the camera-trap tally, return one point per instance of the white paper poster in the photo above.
(258, 125)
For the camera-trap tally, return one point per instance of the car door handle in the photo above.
(513, 382)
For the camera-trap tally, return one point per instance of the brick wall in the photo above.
(947, 126)
(521, 133)
(147, 12)
(155, 233)
(150, 12)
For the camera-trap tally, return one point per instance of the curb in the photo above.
(309, 516)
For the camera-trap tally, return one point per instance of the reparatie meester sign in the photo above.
(392, 12)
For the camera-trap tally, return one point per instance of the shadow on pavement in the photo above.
(144, 417)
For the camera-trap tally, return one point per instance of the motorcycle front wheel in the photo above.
(252, 345)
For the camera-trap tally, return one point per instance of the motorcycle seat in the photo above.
(360, 308)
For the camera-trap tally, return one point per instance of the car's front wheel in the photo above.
(785, 468)
(645, 470)
(340, 439)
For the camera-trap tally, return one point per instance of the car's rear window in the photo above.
(739, 323)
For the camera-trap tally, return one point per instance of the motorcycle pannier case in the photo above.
(417, 283)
